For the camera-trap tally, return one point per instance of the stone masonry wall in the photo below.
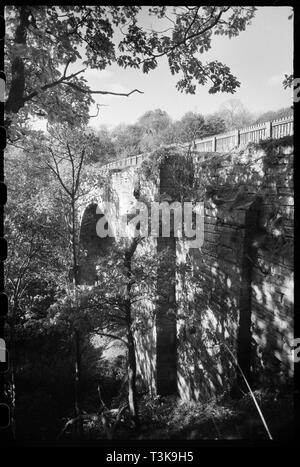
(235, 295)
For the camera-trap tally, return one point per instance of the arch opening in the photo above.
(91, 245)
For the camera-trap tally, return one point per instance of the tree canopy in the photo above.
(43, 41)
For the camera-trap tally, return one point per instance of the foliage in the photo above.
(43, 43)
(154, 121)
(155, 128)
(45, 377)
(190, 127)
(181, 166)
(127, 140)
(149, 168)
(214, 124)
(234, 114)
(274, 115)
(33, 228)
(218, 418)
(42, 229)
(102, 308)
(288, 81)
(272, 146)
(104, 149)
(44, 46)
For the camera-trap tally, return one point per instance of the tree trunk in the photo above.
(132, 391)
(12, 371)
(15, 100)
(77, 389)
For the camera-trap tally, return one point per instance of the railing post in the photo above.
(214, 144)
(237, 138)
(268, 129)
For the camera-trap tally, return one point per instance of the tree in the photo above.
(214, 125)
(274, 114)
(127, 140)
(155, 128)
(35, 265)
(104, 148)
(193, 126)
(154, 122)
(42, 42)
(234, 114)
(121, 305)
(288, 81)
(64, 152)
(106, 309)
(154, 125)
(190, 127)
(113, 299)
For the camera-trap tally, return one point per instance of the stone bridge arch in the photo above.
(91, 245)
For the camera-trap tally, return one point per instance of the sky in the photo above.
(259, 57)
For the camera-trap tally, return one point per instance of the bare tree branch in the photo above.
(62, 80)
(57, 173)
(192, 36)
(111, 336)
(88, 91)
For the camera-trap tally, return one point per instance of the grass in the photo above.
(223, 418)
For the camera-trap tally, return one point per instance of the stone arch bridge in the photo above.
(233, 296)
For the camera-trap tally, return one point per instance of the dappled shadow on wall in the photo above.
(239, 269)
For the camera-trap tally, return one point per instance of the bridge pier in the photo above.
(166, 352)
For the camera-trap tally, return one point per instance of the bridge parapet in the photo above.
(223, 142)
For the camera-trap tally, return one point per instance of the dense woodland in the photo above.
(65, 380)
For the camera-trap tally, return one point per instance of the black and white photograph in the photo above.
(148, 286)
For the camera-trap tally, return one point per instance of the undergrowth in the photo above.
(219, 418)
